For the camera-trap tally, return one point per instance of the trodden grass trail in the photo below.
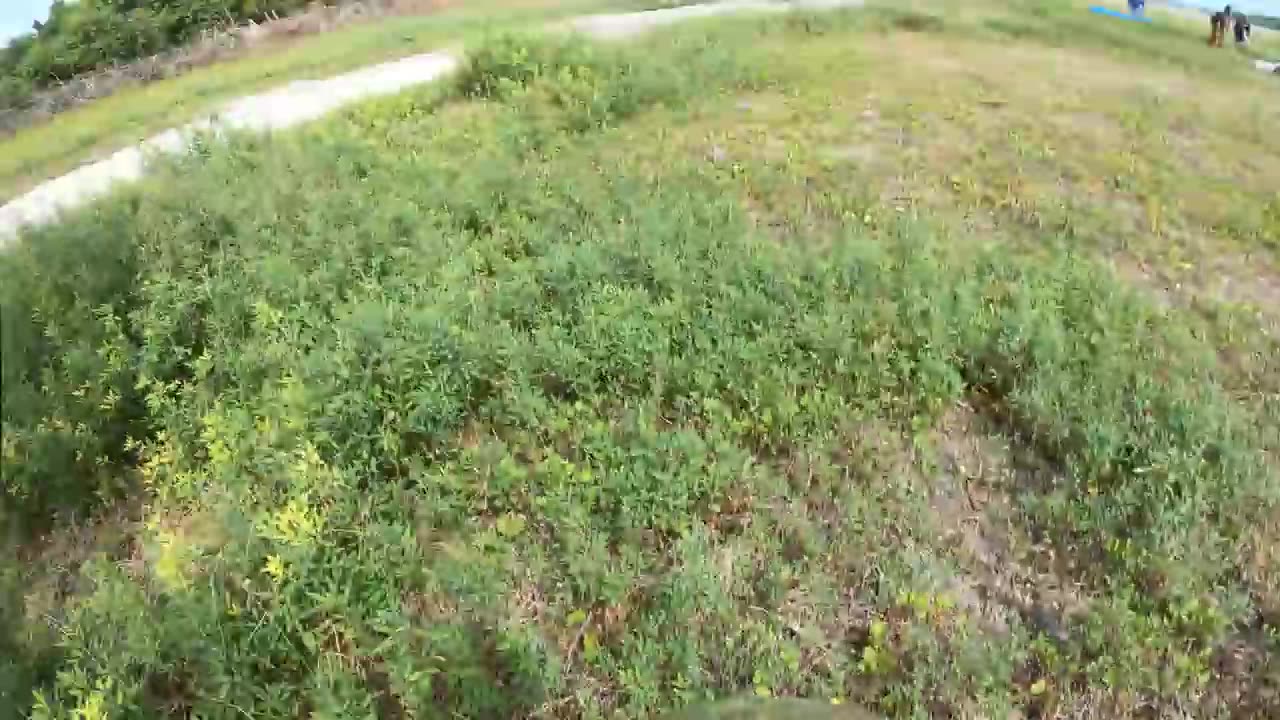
(916, 358)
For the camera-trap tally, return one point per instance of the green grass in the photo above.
(817, 357)
(100, 127)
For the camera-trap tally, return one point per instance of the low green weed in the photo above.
(69, 409)
(492, 419)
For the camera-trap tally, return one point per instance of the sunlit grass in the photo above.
(68, 139)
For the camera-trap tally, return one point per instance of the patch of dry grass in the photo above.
(1168, 173)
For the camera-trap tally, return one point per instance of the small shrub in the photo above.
(69, 405)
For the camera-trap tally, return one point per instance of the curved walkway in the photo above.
(301, 101)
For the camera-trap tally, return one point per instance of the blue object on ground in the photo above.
(1116, 13)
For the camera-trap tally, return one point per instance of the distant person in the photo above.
(1137, 6)
(1242, 29)
(1219, 25)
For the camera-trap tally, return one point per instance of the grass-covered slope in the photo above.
(609, 381)
(97, 129)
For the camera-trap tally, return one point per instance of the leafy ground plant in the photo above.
(603, 386)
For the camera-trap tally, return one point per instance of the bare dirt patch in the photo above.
(56, 559)
(978, 473)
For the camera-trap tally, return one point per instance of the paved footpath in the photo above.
(306, 100)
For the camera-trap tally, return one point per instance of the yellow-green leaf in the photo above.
(510, 525)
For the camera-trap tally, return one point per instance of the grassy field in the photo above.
(98, 128)
(820, 356)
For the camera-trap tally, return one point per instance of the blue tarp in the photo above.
(1116, 13)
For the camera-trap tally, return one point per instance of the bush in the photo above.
(68, 401)
(86, 36)
(14, 92)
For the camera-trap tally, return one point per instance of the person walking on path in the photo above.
(1219, 25)
(1242, 29)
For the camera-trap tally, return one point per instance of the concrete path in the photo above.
(301, 101)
